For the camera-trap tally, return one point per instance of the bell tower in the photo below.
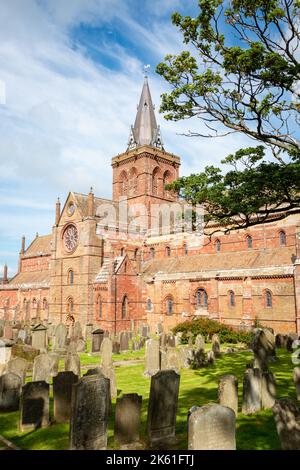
(141, 173)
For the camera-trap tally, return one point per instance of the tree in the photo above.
(243, 78)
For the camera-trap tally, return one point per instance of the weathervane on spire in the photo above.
(147, 69)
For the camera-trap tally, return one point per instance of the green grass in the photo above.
(197, 387)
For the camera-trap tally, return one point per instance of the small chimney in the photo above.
(23, 246)
(57, 212)
(91, 202)
(5, 273)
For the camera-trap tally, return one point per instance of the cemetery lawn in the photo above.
(197, 387)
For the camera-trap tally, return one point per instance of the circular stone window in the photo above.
(70, 238)
(71, 208)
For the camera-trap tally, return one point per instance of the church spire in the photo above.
(145, 130)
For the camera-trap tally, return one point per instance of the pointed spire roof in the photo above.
(145, 130)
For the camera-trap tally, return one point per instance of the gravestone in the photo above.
(159, 328)
(163, 341)
(152, 357)
(10, 391)
(162, 408)
(172, 360)
(228, 392)
(263, 347)
(25, 351)
(39, 337)
(135, 345)
(81, 346)
(72, 364)
(60, 338)
(199, 343)
(252, 391)
(268, 390)
(89, 413)
(62, 395)
(106, 353)
(216, 346)
(145, 331)
(77, 331)
(210, 358)
(178, 337)
(54, 363)
(186, 356)
(124, 341)
(8, 332)
(97, 338)
(22, 335)
(296, 377)
(280, 341)
(287, 420)
(19, 367)
(128, 419)
(116, 347)
(34, 406)
(42, 368)
(6, 349)
(212, 427)
(171, 341)
(291, 337)
(109, 373)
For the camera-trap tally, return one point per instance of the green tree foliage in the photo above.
(243, 78)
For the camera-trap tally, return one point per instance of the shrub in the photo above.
(207, 327)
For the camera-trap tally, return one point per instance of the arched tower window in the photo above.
(149, 304)
(168, 251)
(136, 254)
(123, 183)
(70, 306)
(249, 242)
(201, 298)
(71, 277)
(231, 298)
(152, 252)
(218, 245)
(122, 253)
(133, 181)
(185, 249)
(124, 306)
(167, 179)
(282, 238)
(45, 304)
(34, 304)
(268, 299)
(155, 176)
(169, 305)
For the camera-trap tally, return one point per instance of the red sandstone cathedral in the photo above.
(89, 268)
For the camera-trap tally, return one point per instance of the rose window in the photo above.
(71, 238)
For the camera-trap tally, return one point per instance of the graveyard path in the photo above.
(7, 445)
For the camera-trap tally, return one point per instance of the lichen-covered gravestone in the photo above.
(287, 419)
(162, 408)
(62, 395)
(60, 338)
(128, 419)
(10, 390)
(296, 376)
(212, 427)
(19, 367)
(228, 392)
(42, 368)
(72, 364)
(89, 413)
(152, 357)
(216, 349)
(34, 406)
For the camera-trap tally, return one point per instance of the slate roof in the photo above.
(41, 245)
(29, 280)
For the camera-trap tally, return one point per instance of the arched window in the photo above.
(100, 307)
(155, 176)
(45, 304)
(167, 179)
(122, 251)
(168, 251)
(70, 306)
(149, 304)
(218, 245)
(169, 305)
(185, 249)
(282, 238)
(136, 253)
(34, 304)
(152, 252)
(201, 298)
(133, 180)
(71, 278)
(123, 183)
(268, 299)
(249, 242)
(124, 306)
(231, 298)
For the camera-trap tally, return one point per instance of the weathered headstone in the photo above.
(62, 395)
(162, 407)
(34, 406)
(296, 377)
(216, 346)
(124, 341)
(171, 341)
(19, 367)
(89, 413)
(280, 341)
(173, 360)
(106, 353)
(8, 332)
(178, 337)
(268, 390)
(60, 338)
(22, 335)
(199, 343)
(252, 391)
(39, 337)
(287, 420)
(128, 418)
(6, 347)
(263, 347)
(25, 351)
(81, 345)
(72, 364)
(212, 427)
(116, 347)
(210, 358)
(152, 357)
(42, 368)
(97, 338)
(186, 356)
(228, 392)
(10, 390)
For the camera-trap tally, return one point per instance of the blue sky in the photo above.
(73, 72)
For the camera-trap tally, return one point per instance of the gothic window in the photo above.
(122, 251)
(231, 298)
(249, 242)
(185, 249)
(201, 298)
(70, 306)
(218, 245)
(168, 251)
(152, 252)
(136, 253)
(124, 306)
(70, 237)
(149, 304)
(155, 181)
(133, 180)
(169, 305)
(167, 179)
(282, 238)
(123, 183)
(45, 304)
(71, 278)
(268, 299)
(34, 304)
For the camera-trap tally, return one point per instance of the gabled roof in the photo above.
(39, 246)
(29, 280)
